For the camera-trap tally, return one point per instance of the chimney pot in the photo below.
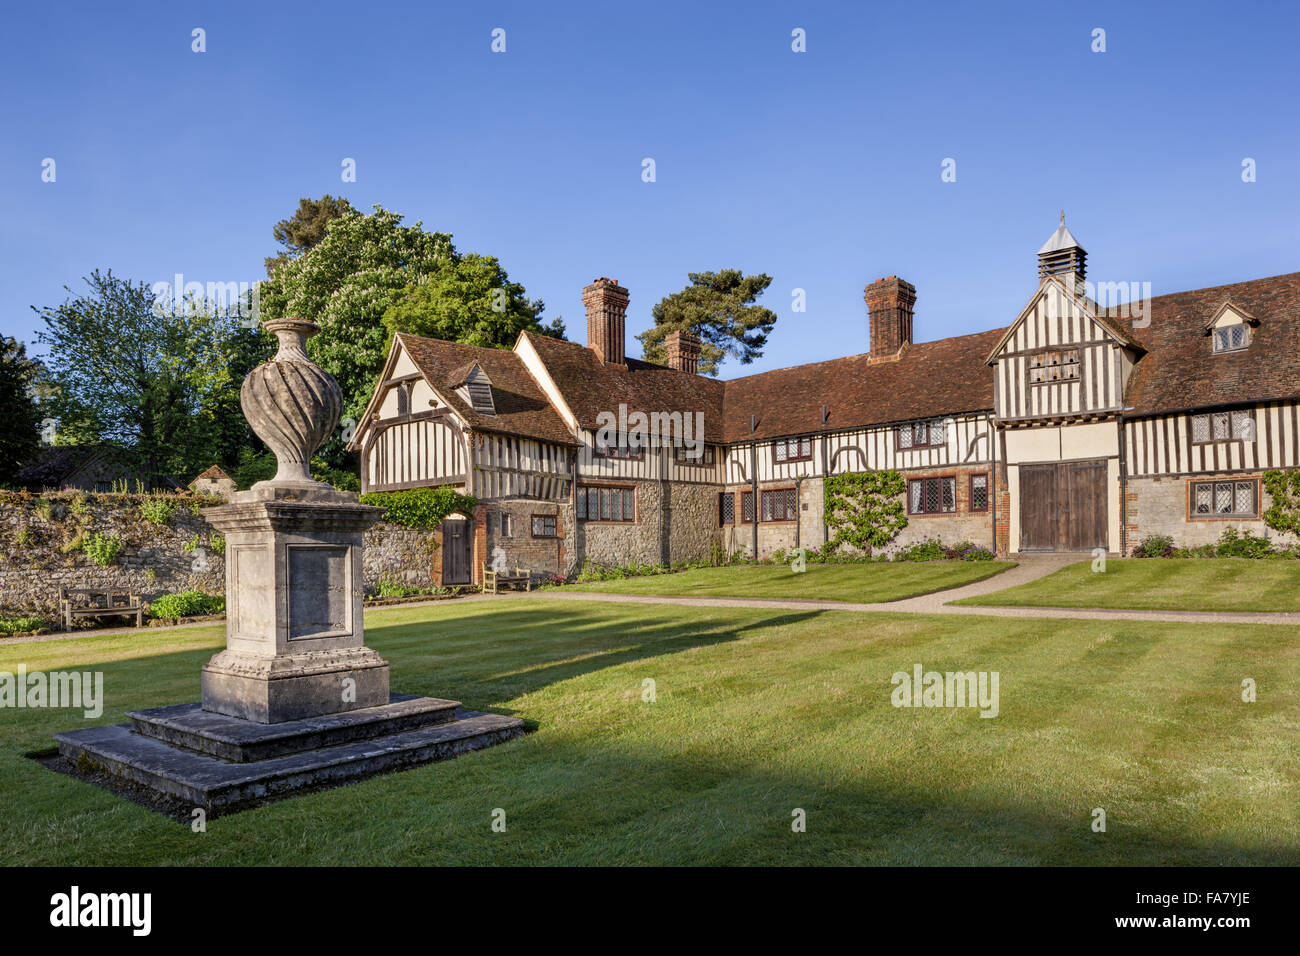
(683, 347)
(889, 315)
(606, 304)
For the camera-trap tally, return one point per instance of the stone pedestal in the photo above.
(295, 642)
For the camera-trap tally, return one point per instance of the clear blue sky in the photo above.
(821, 168)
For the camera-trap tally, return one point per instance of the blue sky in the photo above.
(820, 168)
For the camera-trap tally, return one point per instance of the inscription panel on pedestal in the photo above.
(252, 589)
(320, 591)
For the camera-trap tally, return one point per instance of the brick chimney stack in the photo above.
(683, 349)
(889, 315)
(606, 303)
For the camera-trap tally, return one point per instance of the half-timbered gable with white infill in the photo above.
(450, 414)
(1061, 358)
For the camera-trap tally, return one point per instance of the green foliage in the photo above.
(19, 625)
(1284, 488)
(157, 509)
(217, 542)
(186, 604)
(25, 538)
(1242, 544)
(420, 507)
(718, 307)
(305, 228)
(20, 437)
(129, 370)
(393, 589)
(927, 549)
(45, 508)
(1154, 546)
(341, 478)
(80, 508)
(469, 299)
(864, 508)
(252, 468)
(102, 549)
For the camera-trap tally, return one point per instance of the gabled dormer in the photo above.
(1064, 356)
(1229, 330)
(475, 389)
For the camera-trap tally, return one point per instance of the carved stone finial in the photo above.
(291, 403)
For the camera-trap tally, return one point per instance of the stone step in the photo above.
(200, 780)
(244, 741)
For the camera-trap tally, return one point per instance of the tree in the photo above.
(128, 369)
(718, 307)
(365, 266)
(305, 228)
(20, 436)
(469, 299)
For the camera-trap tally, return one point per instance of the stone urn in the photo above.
(292, 404)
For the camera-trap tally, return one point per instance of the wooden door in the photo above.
(1083, 485)
(1063, 506)
(1038, 508)
(457, 551)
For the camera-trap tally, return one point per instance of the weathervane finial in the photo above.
(1062, 217)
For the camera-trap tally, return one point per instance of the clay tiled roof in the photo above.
(929, 379)
(214, 472)
(521, 408)
(590, 387)
(1180, 371)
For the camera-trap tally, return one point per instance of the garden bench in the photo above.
(99, 602)
(492, 580)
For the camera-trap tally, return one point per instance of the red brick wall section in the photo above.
(889, 315)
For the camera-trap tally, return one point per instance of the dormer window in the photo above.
(1230, 338)
(476, 391)
(1229, 328)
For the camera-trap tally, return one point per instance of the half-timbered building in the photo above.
(1075, 427)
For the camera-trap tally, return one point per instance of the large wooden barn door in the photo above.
(1038, 508)
(1083, 526)
(457, 551)
(1063, 506)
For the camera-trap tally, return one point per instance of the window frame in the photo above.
(1234, 415)
(970, 493)
(505, 525)
(747, 495)
(726, 496)
(912, 426)
(707, 459)
(1245, 338)
(798, 443)
(1193, 515)
(544, 518)
(622, 451)
(583, 514)
(940, 479)
(788, 494)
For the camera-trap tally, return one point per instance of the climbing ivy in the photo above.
(864, 509)
(420, 507)
(1284, 513)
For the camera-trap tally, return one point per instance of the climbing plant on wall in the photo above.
(1284, 513)
(864, 509)
(420, 507)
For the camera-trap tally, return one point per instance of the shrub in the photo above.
(924, 550)
(157, 510)
(25, 538)
(45, 508)
(17, 625)
(80, 509)
(1242, 544)
(977, 553)
(1155, 546)
(102, 549)
(865, 509)
(217, 541)
(420, 507)
(186, 604)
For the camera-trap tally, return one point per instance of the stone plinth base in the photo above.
(222, 764)
(269, 690)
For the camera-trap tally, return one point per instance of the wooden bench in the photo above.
(493, 580)
(99, 602)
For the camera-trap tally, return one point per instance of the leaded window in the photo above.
(1223, 426)
(1228, 338)
(726, 508)
(1225, 499)
(932, 496)
(600, 503)
(979, 492)
(791, 449)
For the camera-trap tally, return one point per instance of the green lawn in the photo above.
(1164, 584)
(865, 583)
(758, 713)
